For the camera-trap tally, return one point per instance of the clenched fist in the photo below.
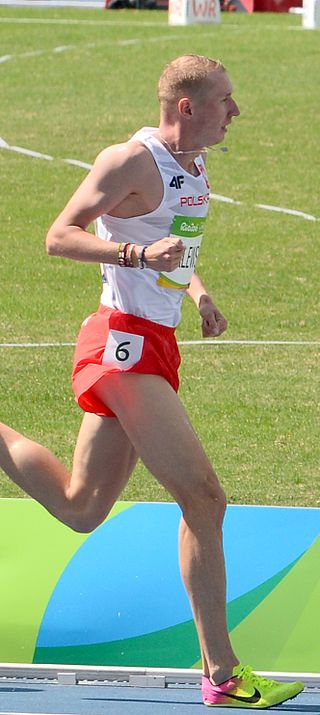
(164, 255)
(213, 322)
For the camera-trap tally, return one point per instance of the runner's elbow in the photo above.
(53, 243)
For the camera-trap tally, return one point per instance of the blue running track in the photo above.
(32, 696)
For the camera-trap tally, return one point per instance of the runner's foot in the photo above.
(246, 689)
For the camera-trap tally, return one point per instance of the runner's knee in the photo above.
(207, 498)
(83, 523)
(84, 511)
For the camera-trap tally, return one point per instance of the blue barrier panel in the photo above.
(115, 597)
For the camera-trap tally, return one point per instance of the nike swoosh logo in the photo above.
(243, 699)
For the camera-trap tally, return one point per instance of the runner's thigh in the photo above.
(157, 424)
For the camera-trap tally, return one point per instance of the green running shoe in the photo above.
(246, 689)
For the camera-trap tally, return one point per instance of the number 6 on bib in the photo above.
(123, 350)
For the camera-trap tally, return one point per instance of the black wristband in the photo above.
(141, 258)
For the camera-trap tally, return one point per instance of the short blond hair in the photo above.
(187, 75)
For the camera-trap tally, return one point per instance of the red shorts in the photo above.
(110, 341)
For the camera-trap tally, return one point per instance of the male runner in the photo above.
(149, 200)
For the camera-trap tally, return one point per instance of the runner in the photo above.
(149, 199)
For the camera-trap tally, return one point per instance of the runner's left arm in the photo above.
(213, 322)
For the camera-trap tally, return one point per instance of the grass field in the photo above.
(74, 81)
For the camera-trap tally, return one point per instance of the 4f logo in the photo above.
(176, 182)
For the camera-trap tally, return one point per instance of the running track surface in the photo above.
(31, 696)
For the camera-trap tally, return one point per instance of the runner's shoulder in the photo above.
(127, 154)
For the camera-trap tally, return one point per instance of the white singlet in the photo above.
(182, 212)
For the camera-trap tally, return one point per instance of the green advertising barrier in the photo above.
(115, 597)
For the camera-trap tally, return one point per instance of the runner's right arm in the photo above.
(118, 174)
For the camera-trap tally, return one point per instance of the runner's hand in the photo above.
(164, 255)
(213, 322)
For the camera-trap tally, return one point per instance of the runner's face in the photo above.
(215, 110)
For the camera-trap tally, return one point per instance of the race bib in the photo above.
(190, 229)
(123, 350)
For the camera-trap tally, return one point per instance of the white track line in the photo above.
(207, 341)
(63, 48)
(34, 53)
(28, 152)
(75, 162)
(91, 45)
(217, 197)
(292, 212)
(225, 199)
(69, 21)
(110, 20)
(266, 207)
(37, 345)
